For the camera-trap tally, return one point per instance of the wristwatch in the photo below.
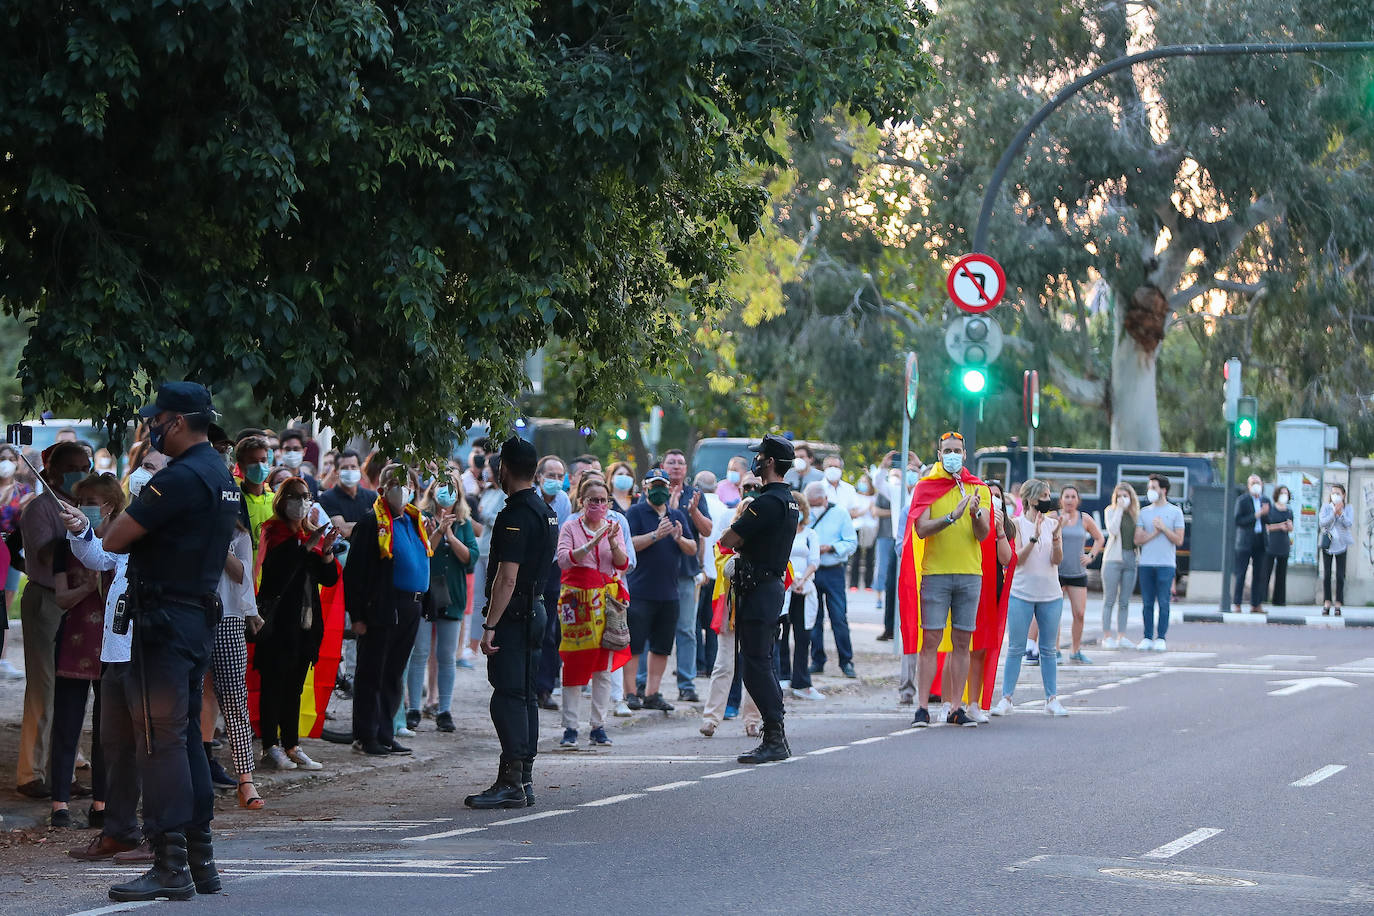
(1034, 540)
(950, 518)
(485, 627)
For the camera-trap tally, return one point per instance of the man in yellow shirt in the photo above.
(952, 513)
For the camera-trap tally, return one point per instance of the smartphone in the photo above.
(18, 434)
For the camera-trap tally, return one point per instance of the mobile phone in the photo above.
(19, 434)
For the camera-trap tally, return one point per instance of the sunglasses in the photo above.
(750, 488)
(951, 436)
(596, 501)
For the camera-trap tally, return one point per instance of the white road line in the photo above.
(825, 750)
(1311, 779)
(1363, 664)
(724, 773)
(873, 740)
(530, 817)
(1245, 667)
(115, 908)
(901, 731)
(1285, 659)
(613, 800)
(1187, 841)
(462, 831)
(671, 785)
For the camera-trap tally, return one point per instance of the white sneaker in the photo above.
(9, 672)
(405, 732)
(1110, 642)
(622, 710)
(1003, 707)
(1055, 708)
(1145, 645)
(1159, 646)
(978, 715)
(277, 759)
(785, 684)
(302, 760)
(1124, 643)
(810, 693)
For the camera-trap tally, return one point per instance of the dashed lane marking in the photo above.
(1316, 776)
(826, 750)
(462, 831)
(672, 785)
(613, 800)
(724, 773)
(1187, 841)
(530, 817)
(873, 740)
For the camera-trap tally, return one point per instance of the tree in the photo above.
(1193, 187)
(371, 212)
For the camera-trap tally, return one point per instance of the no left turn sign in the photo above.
(976, 283)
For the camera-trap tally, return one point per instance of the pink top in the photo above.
(574, 534)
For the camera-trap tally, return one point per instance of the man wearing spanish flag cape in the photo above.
(945, 571)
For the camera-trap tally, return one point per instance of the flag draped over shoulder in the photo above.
(582, 618)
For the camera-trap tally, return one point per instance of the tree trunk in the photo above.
(1135, 402)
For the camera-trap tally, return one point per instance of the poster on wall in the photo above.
(1307, 494)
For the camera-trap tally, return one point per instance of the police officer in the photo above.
(762, 537)
(177, 534)
(523, 541)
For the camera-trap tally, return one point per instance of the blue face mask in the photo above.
(567, 483)
(953, 462)
(913, 478)
(551, 487)
(622, 482)
(72, 478)
(445, 498)
(732, 476)
(861, 487)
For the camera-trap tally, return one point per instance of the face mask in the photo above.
(1282, 500)
(92, 514)
(732, 476)
(7, 468)
(1152, 495)
(862, 487)
(1123, 502)
(349, 477)
(445, 498)
(257, 473)
(658, 496)
(398, 498)
(567, 483)
(913, 478)
(1337, 499)
(1009, 504)
(157, 435)
(292, 459)
(294, 509)
(137, 479)
(622, 482)
(832, 475)
(104, 464)
(271, 457)
(757, 466)
(551, 486)
(1044, 505)
(953, 462)
(799, 464)
(595, 512)
(1256, 490)
(71, 479)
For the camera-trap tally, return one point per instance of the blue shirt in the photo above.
(656, 571)
(410, 565)
(835, 528)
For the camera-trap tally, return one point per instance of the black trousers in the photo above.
(1275, 570)
(549, 660)
(1339, 562)
(890, 594)
(756, 626)
(174, 772)
(119, 693)
(519, 637)
(383, 652)
(794, 666)
(861, 568)
(279, 702)
(68, 717)
(1254, 556)
(707, 640)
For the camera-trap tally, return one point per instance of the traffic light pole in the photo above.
(968, 427)
(1228, 529)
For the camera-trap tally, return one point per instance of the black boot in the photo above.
(507, 792)
(527, 780)
(773, 747)
(200, 855)
(169, 877)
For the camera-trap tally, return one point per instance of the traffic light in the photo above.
(973, 341)
(1230, 372)
(973, 379)
(1247, 418)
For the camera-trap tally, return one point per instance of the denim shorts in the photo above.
(950, 595)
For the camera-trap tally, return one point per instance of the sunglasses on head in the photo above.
(951, 436)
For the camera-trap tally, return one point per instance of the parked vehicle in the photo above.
(550, 436)
(713, 454)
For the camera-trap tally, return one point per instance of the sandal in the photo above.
(1336, 610)
(252, 802)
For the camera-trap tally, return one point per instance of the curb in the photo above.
(1303, 620)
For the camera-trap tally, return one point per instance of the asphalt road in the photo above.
(1169, 789)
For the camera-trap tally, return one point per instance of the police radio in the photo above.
(120, 625)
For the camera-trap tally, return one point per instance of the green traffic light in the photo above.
(974, 380)
(1245, 429)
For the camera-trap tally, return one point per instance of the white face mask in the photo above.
(833, 475)
(953, 462)
(137, 479)
(1337, 499)
(349, 477)
(7, 468)
(294, 509)
(1152, 494)
(1256, 490)
(398, 498)
(1123, 502)
(799, 464)
(292, 459)
(1282, 500)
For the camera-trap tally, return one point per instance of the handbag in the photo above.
(1324, 542)
(616, 635)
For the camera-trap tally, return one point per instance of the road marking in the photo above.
(531, 817)
(116, 908)
(613, 800)
(646, 758)
(724, 773)
(1311, 779)
(1285, 659)
(297, 826)
(671, 785)
(825, 750)
(1306, 683)
(873, 740)
(1363, 664)
(1246, 667)
(1187, 841)
(462, 831)
(901, 731)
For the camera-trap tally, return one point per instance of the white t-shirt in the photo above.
(1036, 579)
(720, 516)
(1159, 550)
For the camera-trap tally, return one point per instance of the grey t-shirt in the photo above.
(1159, 551)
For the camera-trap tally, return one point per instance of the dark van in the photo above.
(714, 454)
(1096, 473)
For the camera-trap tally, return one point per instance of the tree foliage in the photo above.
(372, 211)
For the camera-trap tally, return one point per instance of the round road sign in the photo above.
(976, 283)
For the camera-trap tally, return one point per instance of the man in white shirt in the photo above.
(838, 491)
(721, 516)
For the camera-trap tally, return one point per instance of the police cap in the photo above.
(774, 446)
(179, 397)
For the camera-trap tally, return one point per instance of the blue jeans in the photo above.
(1019, 614)
(1155, 582)
(830, 590)
(446, 649)
(884, 556)
(686, 637)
